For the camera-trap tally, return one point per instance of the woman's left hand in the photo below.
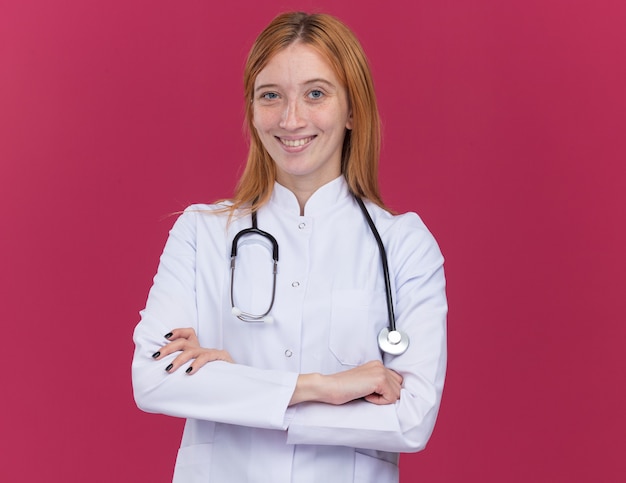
(186, 342)
(371, 381)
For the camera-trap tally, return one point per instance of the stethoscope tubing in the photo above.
(240, 314)
(390, 340)
(391, 317)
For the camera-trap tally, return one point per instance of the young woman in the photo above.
(270, 326)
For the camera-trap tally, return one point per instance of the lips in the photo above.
(296, 143)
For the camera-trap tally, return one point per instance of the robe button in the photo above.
(295, 284)
(288, 353)
(302, 226)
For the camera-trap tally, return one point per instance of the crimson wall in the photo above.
(505, 128)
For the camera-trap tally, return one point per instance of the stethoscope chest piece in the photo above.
(393, 342)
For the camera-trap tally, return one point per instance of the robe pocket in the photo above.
(356, 318)
(368, 469)
(193, 463)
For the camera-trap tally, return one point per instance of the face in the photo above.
(301, 112)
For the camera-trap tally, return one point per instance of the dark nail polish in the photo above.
(168, 335)
(156, 354)
(168, 368)
(189, 369)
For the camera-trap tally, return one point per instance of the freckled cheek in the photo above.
(329, 120)
(264, 119)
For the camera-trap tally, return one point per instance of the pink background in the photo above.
(505, 128)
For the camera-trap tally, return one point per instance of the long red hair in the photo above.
(361, 147)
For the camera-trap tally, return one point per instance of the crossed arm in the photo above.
(360, 407)
(371, 381)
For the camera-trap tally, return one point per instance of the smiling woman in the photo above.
(333, 42)
(321, 387)
(301, 113)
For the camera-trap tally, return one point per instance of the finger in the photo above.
(389, 396)
(198, 363)
(393, 375)
(387, 393)
(375, 399)
(379, 399)
(208, 355)
(181, 333)
(225, 356)
(396, 377)
(181, 360)
(170, 348)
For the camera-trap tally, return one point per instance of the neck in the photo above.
(302, 199)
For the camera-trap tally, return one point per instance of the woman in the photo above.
(280, 376)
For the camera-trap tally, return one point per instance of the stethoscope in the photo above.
(390, 340)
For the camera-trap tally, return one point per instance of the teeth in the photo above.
(295, 142)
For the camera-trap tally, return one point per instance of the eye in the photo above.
(316, 94)
(269, 96)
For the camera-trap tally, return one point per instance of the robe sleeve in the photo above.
(221, 391)
(421, 310)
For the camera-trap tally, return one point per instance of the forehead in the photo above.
(297, 62)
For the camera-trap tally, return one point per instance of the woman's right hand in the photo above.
(186, 342)
(371, 381)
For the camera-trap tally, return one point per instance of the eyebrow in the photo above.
(319, 80)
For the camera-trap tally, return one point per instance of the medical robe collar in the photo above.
(325, 199)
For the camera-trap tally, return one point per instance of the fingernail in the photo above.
(189, 369)
(168, 368)
(156, 354)
(168, 335)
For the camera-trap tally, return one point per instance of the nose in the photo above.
(291, 118)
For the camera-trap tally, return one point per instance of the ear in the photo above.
(349, 121)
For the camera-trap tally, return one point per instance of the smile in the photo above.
(296, 143)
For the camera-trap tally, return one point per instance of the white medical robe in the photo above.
(330, 305)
